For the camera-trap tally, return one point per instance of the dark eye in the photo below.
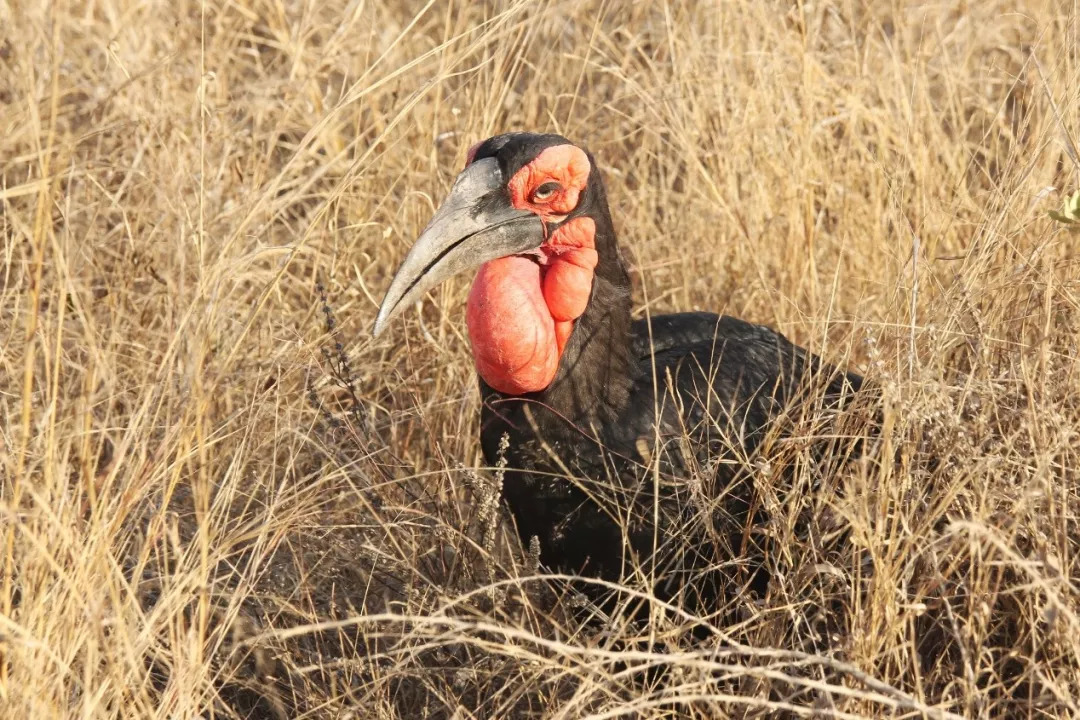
(545, 191)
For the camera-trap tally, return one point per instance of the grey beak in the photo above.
(469, 229)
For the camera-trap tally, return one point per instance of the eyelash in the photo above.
(545, 191)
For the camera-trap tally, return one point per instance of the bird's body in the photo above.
(627, 480)
(625, 442)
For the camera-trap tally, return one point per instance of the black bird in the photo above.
(627, 442)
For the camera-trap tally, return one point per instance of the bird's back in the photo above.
(734, 376)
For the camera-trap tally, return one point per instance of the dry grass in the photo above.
(205, 514)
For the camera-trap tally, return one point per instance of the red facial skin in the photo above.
(522, 308)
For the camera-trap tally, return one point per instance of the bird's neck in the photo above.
(596, 370)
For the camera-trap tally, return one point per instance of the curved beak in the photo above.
(473, 225)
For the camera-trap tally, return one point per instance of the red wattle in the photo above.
(568, 283)
(520, 313)
(510, 327)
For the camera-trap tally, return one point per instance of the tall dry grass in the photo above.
(221, 497)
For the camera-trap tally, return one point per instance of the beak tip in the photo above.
(379, 326)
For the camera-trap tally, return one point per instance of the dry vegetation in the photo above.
(221, 498)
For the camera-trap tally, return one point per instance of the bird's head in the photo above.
(524, 211)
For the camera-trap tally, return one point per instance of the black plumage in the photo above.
(637, 455)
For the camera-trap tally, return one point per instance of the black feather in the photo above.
(609, 465)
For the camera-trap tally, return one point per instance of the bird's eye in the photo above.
(545, 191)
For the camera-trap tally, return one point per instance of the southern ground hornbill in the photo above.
(631, 444)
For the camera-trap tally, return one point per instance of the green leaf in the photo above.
(1070, 210)
(1072, 206)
